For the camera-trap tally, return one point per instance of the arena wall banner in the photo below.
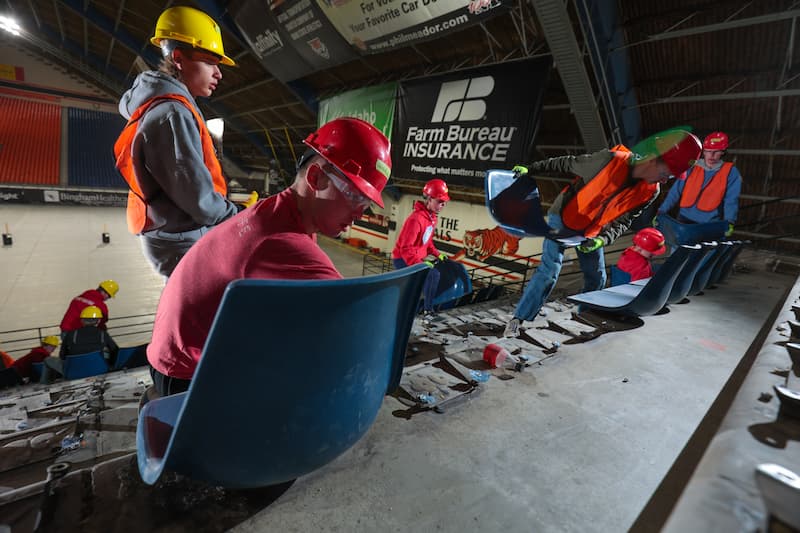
(458, 125)
(292, 38)
(35, 195)
(374, 26)
(373, 104)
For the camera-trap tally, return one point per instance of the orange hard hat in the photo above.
(437, 189)
(650, 239)
(358, 150)
(715, 141)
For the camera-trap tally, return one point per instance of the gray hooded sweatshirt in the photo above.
(168, 159)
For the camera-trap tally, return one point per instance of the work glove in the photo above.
(429, 263)
(253, 198)
(442, 256)
(590, 245)
(730, 230)
(519, 169)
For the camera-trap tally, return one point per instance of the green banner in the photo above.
(373, 104)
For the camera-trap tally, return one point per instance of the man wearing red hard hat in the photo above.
(610, 188)
(343, 171)
(415, 241)
(710, 192)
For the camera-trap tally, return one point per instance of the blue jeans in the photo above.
(430, 286)
(544, 279)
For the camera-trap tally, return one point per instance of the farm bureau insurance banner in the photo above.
(373, 104)
(379, 25)
(457, 126)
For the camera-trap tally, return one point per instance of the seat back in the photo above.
(36, 371)
(727, 268)
(131, 357)
(454, 282)
(722, 262)
(676, 233)
(683, 283)
(85, 365)
(292, 374)
(655, 293)
(619, 277)
(647, 301)
(709, 264)
(515, 204)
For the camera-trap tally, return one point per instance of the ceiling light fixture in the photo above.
(10, 25)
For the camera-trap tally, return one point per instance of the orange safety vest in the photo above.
(707, 198)
(137, 203)
(604, 199)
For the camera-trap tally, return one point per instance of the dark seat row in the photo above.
(689, 270)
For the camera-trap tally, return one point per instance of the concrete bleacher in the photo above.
(589, 438)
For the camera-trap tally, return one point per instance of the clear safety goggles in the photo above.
(343, 185)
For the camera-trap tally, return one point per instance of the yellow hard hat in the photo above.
(91, 311)
(110, 286)
(52, 340)
(191, 26)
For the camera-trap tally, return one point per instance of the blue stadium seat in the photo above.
(454, 282)
(723, 262)
(707, 268)
(683, 284)
(292, 375)
(131, 356)
(36, 371)
(676, 233)
(641, 298)
(85, 365)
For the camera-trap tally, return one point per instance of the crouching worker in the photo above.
(24, 365)
(634, 263)
(344, 169)
(415, 242)
(90, 338)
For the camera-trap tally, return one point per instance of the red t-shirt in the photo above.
(266, 241)
(415, 240)
(634, 264)
(72, 318)
(23, 364)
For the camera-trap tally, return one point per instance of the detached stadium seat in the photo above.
(292, 375)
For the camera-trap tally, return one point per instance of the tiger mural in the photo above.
(484, 243)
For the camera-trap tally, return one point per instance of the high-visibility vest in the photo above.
(604, 199)
(707, 198)
(137, 203)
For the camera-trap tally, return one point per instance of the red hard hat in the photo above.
(679, 149)
(436, 188)
(357, 149)
(715, 141)
(650, 239)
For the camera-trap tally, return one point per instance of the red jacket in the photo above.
(416, 238)
(635, 264)
(72, 318)
(23, 365)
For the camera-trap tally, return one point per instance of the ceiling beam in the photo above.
(557, 27)
(727, 25)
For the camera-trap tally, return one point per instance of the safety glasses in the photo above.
(349, 191)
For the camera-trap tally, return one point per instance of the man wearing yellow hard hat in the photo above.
(97, 297)
(24, 365)
(166, 153)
